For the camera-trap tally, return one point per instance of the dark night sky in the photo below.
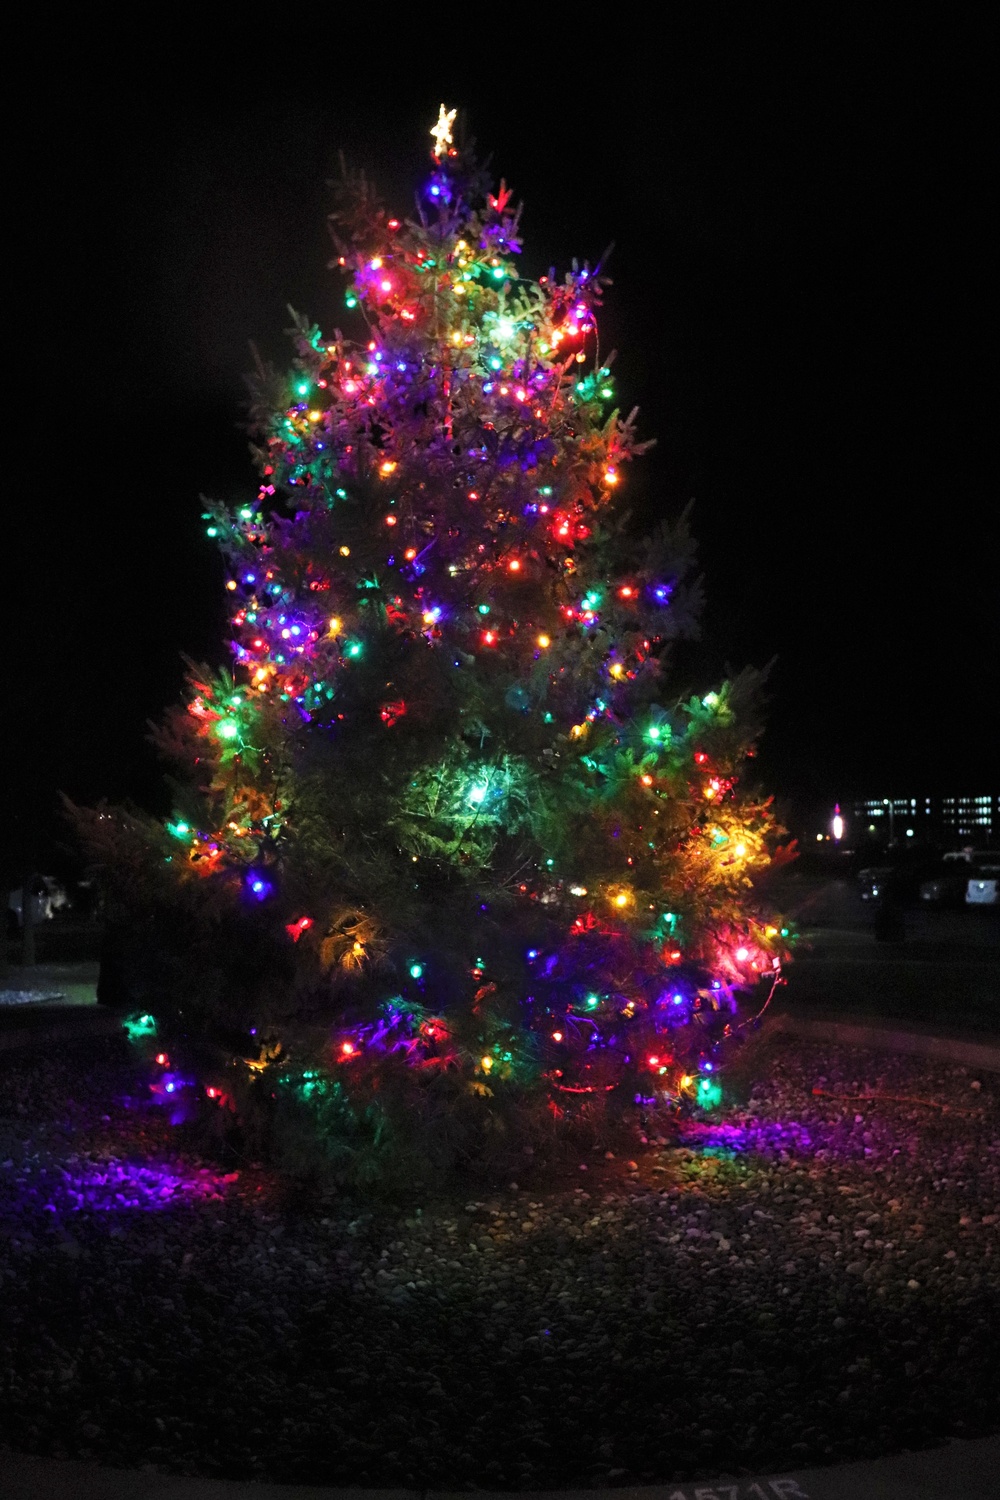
(801, 307)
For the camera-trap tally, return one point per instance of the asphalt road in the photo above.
(944, 971)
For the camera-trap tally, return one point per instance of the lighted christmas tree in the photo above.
(446, 816)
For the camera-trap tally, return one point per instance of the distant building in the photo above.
(976, 818)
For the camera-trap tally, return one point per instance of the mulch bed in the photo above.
(803, 1279)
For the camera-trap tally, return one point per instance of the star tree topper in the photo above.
(442, 131)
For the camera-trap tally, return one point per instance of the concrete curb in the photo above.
(887, 1037)
(962, 1469)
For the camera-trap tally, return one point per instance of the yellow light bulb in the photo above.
(543, 641)
(345, 551)
(486, 1064)
(686, 1081)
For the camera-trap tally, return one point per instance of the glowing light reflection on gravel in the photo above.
(765, 1136)
(102, 1187)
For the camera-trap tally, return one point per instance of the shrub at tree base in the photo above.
(451, 864)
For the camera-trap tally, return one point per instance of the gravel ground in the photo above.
(29, 997)
(804, 1279)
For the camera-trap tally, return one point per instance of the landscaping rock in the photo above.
(808, 1278)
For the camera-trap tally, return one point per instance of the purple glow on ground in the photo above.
(768, 1137)
(105, 1187)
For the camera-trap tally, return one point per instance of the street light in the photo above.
(837, 826)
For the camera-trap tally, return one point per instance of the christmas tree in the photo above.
(445, 820)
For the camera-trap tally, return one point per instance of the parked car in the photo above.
(983, 888)
(947, 886)
(901, 879)
(873, 881)
(47, 897)
(983, 892)
(971, 879)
